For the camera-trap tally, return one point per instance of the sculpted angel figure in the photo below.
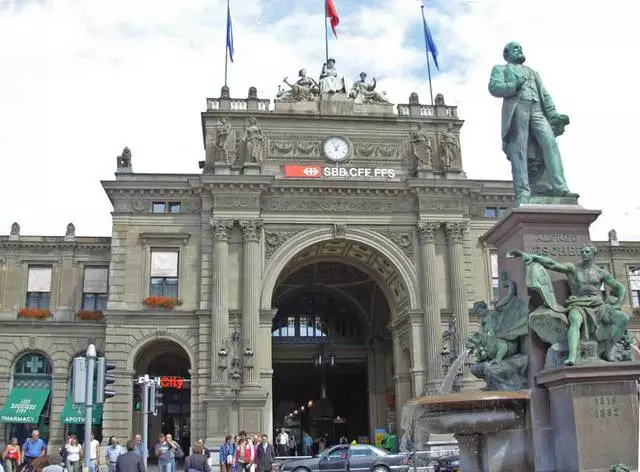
(586, 314)
(304, 89)
(254, 141)
(365, 92)
(330, 82)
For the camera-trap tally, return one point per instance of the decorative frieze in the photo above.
(402, 239)
(251, 229)
(221, 229)
(337, 204)
(274, 239)
(235, 201)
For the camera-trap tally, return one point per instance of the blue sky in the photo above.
(83, 78)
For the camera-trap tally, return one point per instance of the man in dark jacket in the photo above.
(265, 455)
(130, 461)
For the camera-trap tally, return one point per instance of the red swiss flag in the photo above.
(303, 172)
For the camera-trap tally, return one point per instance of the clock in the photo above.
(336, 149)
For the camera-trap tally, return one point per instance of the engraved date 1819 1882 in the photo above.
(606, 406)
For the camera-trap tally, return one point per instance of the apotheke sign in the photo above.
(318, 171)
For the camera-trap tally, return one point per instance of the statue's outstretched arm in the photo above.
(546, 262)
(498, 86)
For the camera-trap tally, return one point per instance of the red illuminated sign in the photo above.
(303, 172)
(172, 382)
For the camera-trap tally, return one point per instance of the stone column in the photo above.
(219, 296)
(433, 332)
(251, 274)
(455, 238)
(416, 321)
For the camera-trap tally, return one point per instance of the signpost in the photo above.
(88, 402)
(146, 383)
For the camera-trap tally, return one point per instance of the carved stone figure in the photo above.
(254, 142)
(15, 229)
(414, 99)
(497, 346)
(365, 92)
(439, 100)
(253, 93)
(303, 90)
(588, 327)
(530, 124)
(421, 147)
(123, 161)
(449, 149)
(330, 82)
(222, 144)
(71, 230)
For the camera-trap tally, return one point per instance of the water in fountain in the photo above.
(409, 413)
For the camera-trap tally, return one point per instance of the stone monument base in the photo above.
(251, 168)
(594, 415)
(221, 168)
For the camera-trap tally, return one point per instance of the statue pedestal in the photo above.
(221, 168)
(594, 415)
(424, 172)
(251, 168)
(552, 230)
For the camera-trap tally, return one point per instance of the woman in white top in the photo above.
(74, 455)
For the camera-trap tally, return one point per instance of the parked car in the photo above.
(354, 458)
(448, 464)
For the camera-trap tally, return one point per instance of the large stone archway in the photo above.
(395, 275)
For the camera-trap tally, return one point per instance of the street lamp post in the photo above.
(88, 418)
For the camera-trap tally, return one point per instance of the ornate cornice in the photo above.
(427, 231)
(179, 239)
(251, 229)
(58, 243)
(221, 229)
(455, 231)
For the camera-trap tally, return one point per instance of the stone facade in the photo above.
(238, 228)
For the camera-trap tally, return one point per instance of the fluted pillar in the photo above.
(219, 296)
(455, 238)
(433, 332)
(251, 275)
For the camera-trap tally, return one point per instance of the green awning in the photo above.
(73, 413)
(24, 405)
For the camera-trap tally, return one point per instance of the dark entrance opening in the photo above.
(328, 312)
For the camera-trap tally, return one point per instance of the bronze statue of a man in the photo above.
(530, 124)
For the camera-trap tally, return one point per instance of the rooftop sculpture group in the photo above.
(330, 82)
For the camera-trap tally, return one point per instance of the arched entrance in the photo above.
(332, 350)
(162, 359)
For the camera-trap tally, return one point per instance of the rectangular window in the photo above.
(491, 212)
(164, 274)
(95, 288)
(175, 207)
(158, 207)
(39, 287)
(495, 276)
(634, 286)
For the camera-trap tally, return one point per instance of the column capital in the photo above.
(221, 229)
(427, 231)
(251, 229)
(455, 231)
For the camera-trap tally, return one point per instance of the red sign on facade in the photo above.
(303, 172)
(172, 382)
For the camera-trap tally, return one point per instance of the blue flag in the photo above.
(229, 33)
(428, 41)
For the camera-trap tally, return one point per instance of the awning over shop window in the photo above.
(24, 405)
(73, 413)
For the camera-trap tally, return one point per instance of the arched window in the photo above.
(32, 372)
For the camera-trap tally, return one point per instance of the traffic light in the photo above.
(156, 394)
(103, 392)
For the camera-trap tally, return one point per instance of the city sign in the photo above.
(171, 382)
(313, 171)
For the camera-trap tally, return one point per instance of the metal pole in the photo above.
(145, 418)
(226, 47)
(326, 33)
(426, 47)
(88, 415)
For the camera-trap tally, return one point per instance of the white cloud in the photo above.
(81, 79)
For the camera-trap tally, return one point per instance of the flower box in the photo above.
(162, 302)
(38, 313)
(89, 315)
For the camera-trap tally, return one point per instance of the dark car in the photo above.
(350, 458)
(448, 464)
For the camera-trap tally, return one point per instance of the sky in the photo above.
(80, 79)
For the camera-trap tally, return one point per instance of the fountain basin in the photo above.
(473, 412)
(488, 425)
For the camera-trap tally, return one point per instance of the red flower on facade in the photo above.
(162, 302)
(38, 313)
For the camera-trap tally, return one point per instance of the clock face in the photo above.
(336, 149)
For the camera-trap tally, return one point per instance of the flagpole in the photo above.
(426, 50)
(326, 34)
(226, 47)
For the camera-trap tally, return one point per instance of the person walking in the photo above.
(307, 442)
(244, 455)
(265, 455)
(130, 461)
(112, 453)
(33, 447)
(12, 456)
(74, 455)
(197, 461)
(227, 454)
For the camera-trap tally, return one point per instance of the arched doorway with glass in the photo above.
(331, 351)
(73, 415)
(28, 406)
(165, 359)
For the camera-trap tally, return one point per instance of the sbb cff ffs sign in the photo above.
(171, 382)
(318, 171)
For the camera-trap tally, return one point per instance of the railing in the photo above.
(428, 111)
(238, 104)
